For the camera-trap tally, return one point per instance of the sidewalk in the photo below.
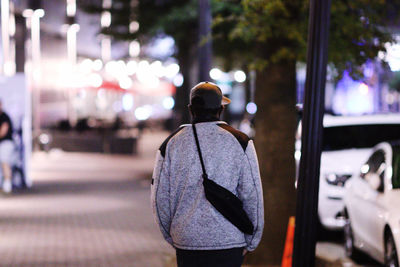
(84, 210)
(90, 209)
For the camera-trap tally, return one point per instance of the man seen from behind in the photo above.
(201, 235)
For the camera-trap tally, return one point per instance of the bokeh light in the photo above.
(168, 102)
(215, 74)
(251, 108)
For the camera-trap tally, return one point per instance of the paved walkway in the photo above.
(94, 210)
(84, 210)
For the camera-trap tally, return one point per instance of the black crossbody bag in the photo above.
(223, 200)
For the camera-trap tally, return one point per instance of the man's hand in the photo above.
(244, 252)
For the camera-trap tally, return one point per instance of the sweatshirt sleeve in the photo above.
(250, 192)
(160, 196)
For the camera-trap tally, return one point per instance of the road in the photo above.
(330, 250)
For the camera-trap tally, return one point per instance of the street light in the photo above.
(105, 22)
(134, 48)
(72, 30)
(33, 25)
(71, 8)
(7, 33)
(72, 43)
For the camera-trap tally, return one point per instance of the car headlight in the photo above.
(337, 179)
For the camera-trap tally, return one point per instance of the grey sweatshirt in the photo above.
(185, 217)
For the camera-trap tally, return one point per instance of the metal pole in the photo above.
(72, 32)
(308, 183)
(20, 39)
(36, 68)
(105, 22)
(33, 25)
(8, 64)
(134, 45)
(12, 52)
(205, 44)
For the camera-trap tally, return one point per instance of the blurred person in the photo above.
(246, 126)
(118, 123)
(188, 221)
(141, 125)
(6, 149)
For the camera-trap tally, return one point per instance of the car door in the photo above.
(367, 198)
(375, 212)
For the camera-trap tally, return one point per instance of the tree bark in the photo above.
(274, 140)
(185, 59)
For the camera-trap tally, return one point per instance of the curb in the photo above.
(332, 255)
(170, 261)
(321, 262)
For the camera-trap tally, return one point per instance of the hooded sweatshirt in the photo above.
(186, 218)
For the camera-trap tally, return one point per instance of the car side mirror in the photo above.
(373, 180)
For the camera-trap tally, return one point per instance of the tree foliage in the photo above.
(174, 18)
(259, 31)
(276, 30)
(178, 19)
(122, 13)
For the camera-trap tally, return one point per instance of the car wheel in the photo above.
(391, 259)
(349, 247)
(321, 232)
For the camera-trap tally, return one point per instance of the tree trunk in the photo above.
(274, 140)
(185, 59)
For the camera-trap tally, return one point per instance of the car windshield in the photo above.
(358, 136)
(396, 168)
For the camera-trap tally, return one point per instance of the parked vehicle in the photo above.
(347, 142)
(372, 201)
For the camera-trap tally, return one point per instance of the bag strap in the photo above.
(205, 176)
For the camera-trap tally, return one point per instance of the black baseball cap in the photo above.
(208, 95)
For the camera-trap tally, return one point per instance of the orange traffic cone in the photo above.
(288, 251)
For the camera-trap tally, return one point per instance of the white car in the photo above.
(347, 142)
(372, 206)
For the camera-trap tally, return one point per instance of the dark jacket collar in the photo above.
(204, 119)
